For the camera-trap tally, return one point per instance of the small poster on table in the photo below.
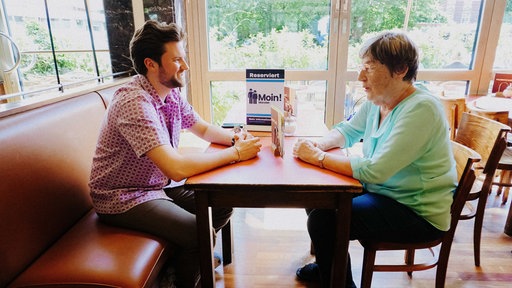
(265, 87)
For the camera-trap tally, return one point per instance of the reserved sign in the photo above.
(265, 88)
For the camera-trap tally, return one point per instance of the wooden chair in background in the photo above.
(505, 164)
(488, 138)
(505, 175)
(500, 116)
(464, 157)
(453, 108)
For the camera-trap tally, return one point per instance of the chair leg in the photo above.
(409, 260)
(442, 265)
(505, 178)
(227, 244)
(500, 180)
(368, 263)
(477, 231)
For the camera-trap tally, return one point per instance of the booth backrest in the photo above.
(107, 94)
(46, 155)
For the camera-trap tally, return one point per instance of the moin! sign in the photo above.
(265, 88)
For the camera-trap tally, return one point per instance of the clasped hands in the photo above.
(308, 151)
(246, 145)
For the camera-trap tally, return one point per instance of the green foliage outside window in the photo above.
(43, 64)
(285, 34)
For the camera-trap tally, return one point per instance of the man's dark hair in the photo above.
(149, 41)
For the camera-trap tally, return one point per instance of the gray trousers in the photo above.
(174, 221)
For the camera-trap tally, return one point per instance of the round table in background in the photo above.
(493, 107)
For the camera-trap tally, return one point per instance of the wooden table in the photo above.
(496, 108)
(270, 181)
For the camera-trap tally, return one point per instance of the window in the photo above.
(444, 31)
(503, 59)
(268, 34)
(58, 44)
(317, 42)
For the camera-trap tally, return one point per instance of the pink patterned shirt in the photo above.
(137, 121)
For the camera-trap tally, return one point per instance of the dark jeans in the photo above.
(373, 217)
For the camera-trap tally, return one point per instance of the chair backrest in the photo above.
(500, 116)
(453, 109)
(487, 137)
(465, 157)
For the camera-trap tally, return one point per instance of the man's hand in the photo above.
(247, 148)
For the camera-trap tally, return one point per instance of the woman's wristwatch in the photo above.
(321, 158)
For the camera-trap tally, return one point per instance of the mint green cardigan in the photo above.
(409, 157)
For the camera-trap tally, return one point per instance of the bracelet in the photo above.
(237, 152)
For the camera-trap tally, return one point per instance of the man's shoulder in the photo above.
(137, 83)
(136, 89)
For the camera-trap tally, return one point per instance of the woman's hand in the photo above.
(307, 151)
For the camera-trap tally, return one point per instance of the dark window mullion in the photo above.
(92, 40)
(48, 21)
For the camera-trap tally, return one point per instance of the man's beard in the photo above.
(173, 82)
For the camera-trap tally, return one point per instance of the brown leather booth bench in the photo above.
(49, 234)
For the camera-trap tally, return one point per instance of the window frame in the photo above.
(479, 76)
(337, 75)
(201, 75)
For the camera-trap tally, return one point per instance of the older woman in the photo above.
(407, 168)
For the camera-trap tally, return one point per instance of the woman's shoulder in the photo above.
(423, 98)
(423, 106)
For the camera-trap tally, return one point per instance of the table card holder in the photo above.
(277, 125)
(265, 87)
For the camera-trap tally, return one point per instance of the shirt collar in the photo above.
(144, 82)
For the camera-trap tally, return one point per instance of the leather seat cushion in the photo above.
(95, 254)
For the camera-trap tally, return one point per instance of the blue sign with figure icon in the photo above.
(265, 87)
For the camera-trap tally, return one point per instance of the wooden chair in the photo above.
(453, 108)
(505, 175)
(464, 157)
(505, 164)
(488, 138)
(500, 116)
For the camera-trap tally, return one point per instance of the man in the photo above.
(137, 152)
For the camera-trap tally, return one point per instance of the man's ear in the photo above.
(150, 64)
